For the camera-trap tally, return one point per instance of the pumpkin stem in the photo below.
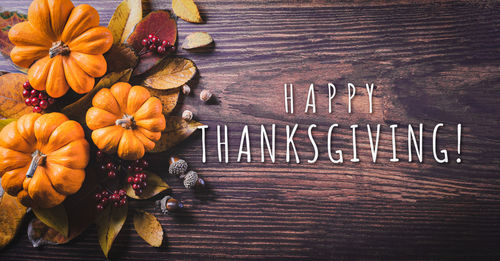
(36, 159)
(126, 122)
(58, 48)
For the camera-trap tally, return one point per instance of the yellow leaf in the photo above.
(170, 73)
(148, 227)
(197, 40)
(55, 217)
(187, 10)
(154, 187)
(11, 95)
(109, 223)
(77, 110)
(177, 130)
(168, 98)
(11, 215)
(126, 16)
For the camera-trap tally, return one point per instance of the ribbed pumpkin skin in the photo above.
(62, 171)
(77, 29)
(112, 105)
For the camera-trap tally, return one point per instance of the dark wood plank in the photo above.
(431, 62)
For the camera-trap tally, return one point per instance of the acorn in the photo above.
(169, 203)
(187, 115)
(205, 95)
(190, 179)
(177, 166)
(200, 184)
(185, 89)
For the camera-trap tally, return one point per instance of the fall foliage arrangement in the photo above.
(91, 102)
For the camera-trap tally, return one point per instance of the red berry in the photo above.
(172, 48)
(150, 36)
(152, 47)
(37, 109)
(130, 180)
(111, 174)
(116, 204)
(26, 93)
(100, 207)
(104, 201)
(156, 40)
(28, 101)
(42, 96)
(137, 180)
(161, 50)
(109, 165)
(144, 164)
(144, 184)
(51, 100)
(27, 85)
(165, 43)
(98, 197)
(135, 186)
(103, 168)
(122, 192)
(138, 169)
(123, 201)
(34, 93)
(34, 101)
(44, 104)
(144, 42)
(105, 193)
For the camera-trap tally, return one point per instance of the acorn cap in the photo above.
(190, 179)
(177, 167)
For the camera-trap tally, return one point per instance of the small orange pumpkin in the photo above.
(62, 45)
(125, 120)
(42, 158)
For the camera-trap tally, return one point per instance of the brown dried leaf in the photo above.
(77, 110)
(197, 40)
(126, 16)
(148, 227)
(177, 130)
(155, 186)
(170, 73)
(55, 217)
(168, 98)
(11, 95)
(120, 57)
(109, 223)
(187, 10)
(7, 20)
(40, 234)
(11, 215)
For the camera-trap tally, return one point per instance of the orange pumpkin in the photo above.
(62, 45)
(42, 158)
(125, 120)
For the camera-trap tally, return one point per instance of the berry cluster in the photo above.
(155, 44)
(118, 199)
(40, 100)
(108, 167)
(138, 177)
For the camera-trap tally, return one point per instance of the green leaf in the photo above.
(148, 227)
(55, 217)
(109, 224)
(155, 186)
(77, 110)
(176, 131)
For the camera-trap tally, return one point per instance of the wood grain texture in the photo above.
(431, 62)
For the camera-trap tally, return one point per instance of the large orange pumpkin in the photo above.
(125, 120)
(62, 45)
(42, 158)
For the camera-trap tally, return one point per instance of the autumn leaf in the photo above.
(7, 20)
(4, 123)
(177, 130)
(148, 227)
(162, 25)
(187, 10)
(168, 98)
(55, 217)
(11, 95)
(155, 186)
(11, 215)
(126, 16)
(109, 223)
(170, 73)
(120, 57)
(77, 110)
(197, 40)
(40, 234)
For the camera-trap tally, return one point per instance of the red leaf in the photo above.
(7, 20)
(160, 23)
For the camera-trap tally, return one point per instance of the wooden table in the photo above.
(431, 62)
